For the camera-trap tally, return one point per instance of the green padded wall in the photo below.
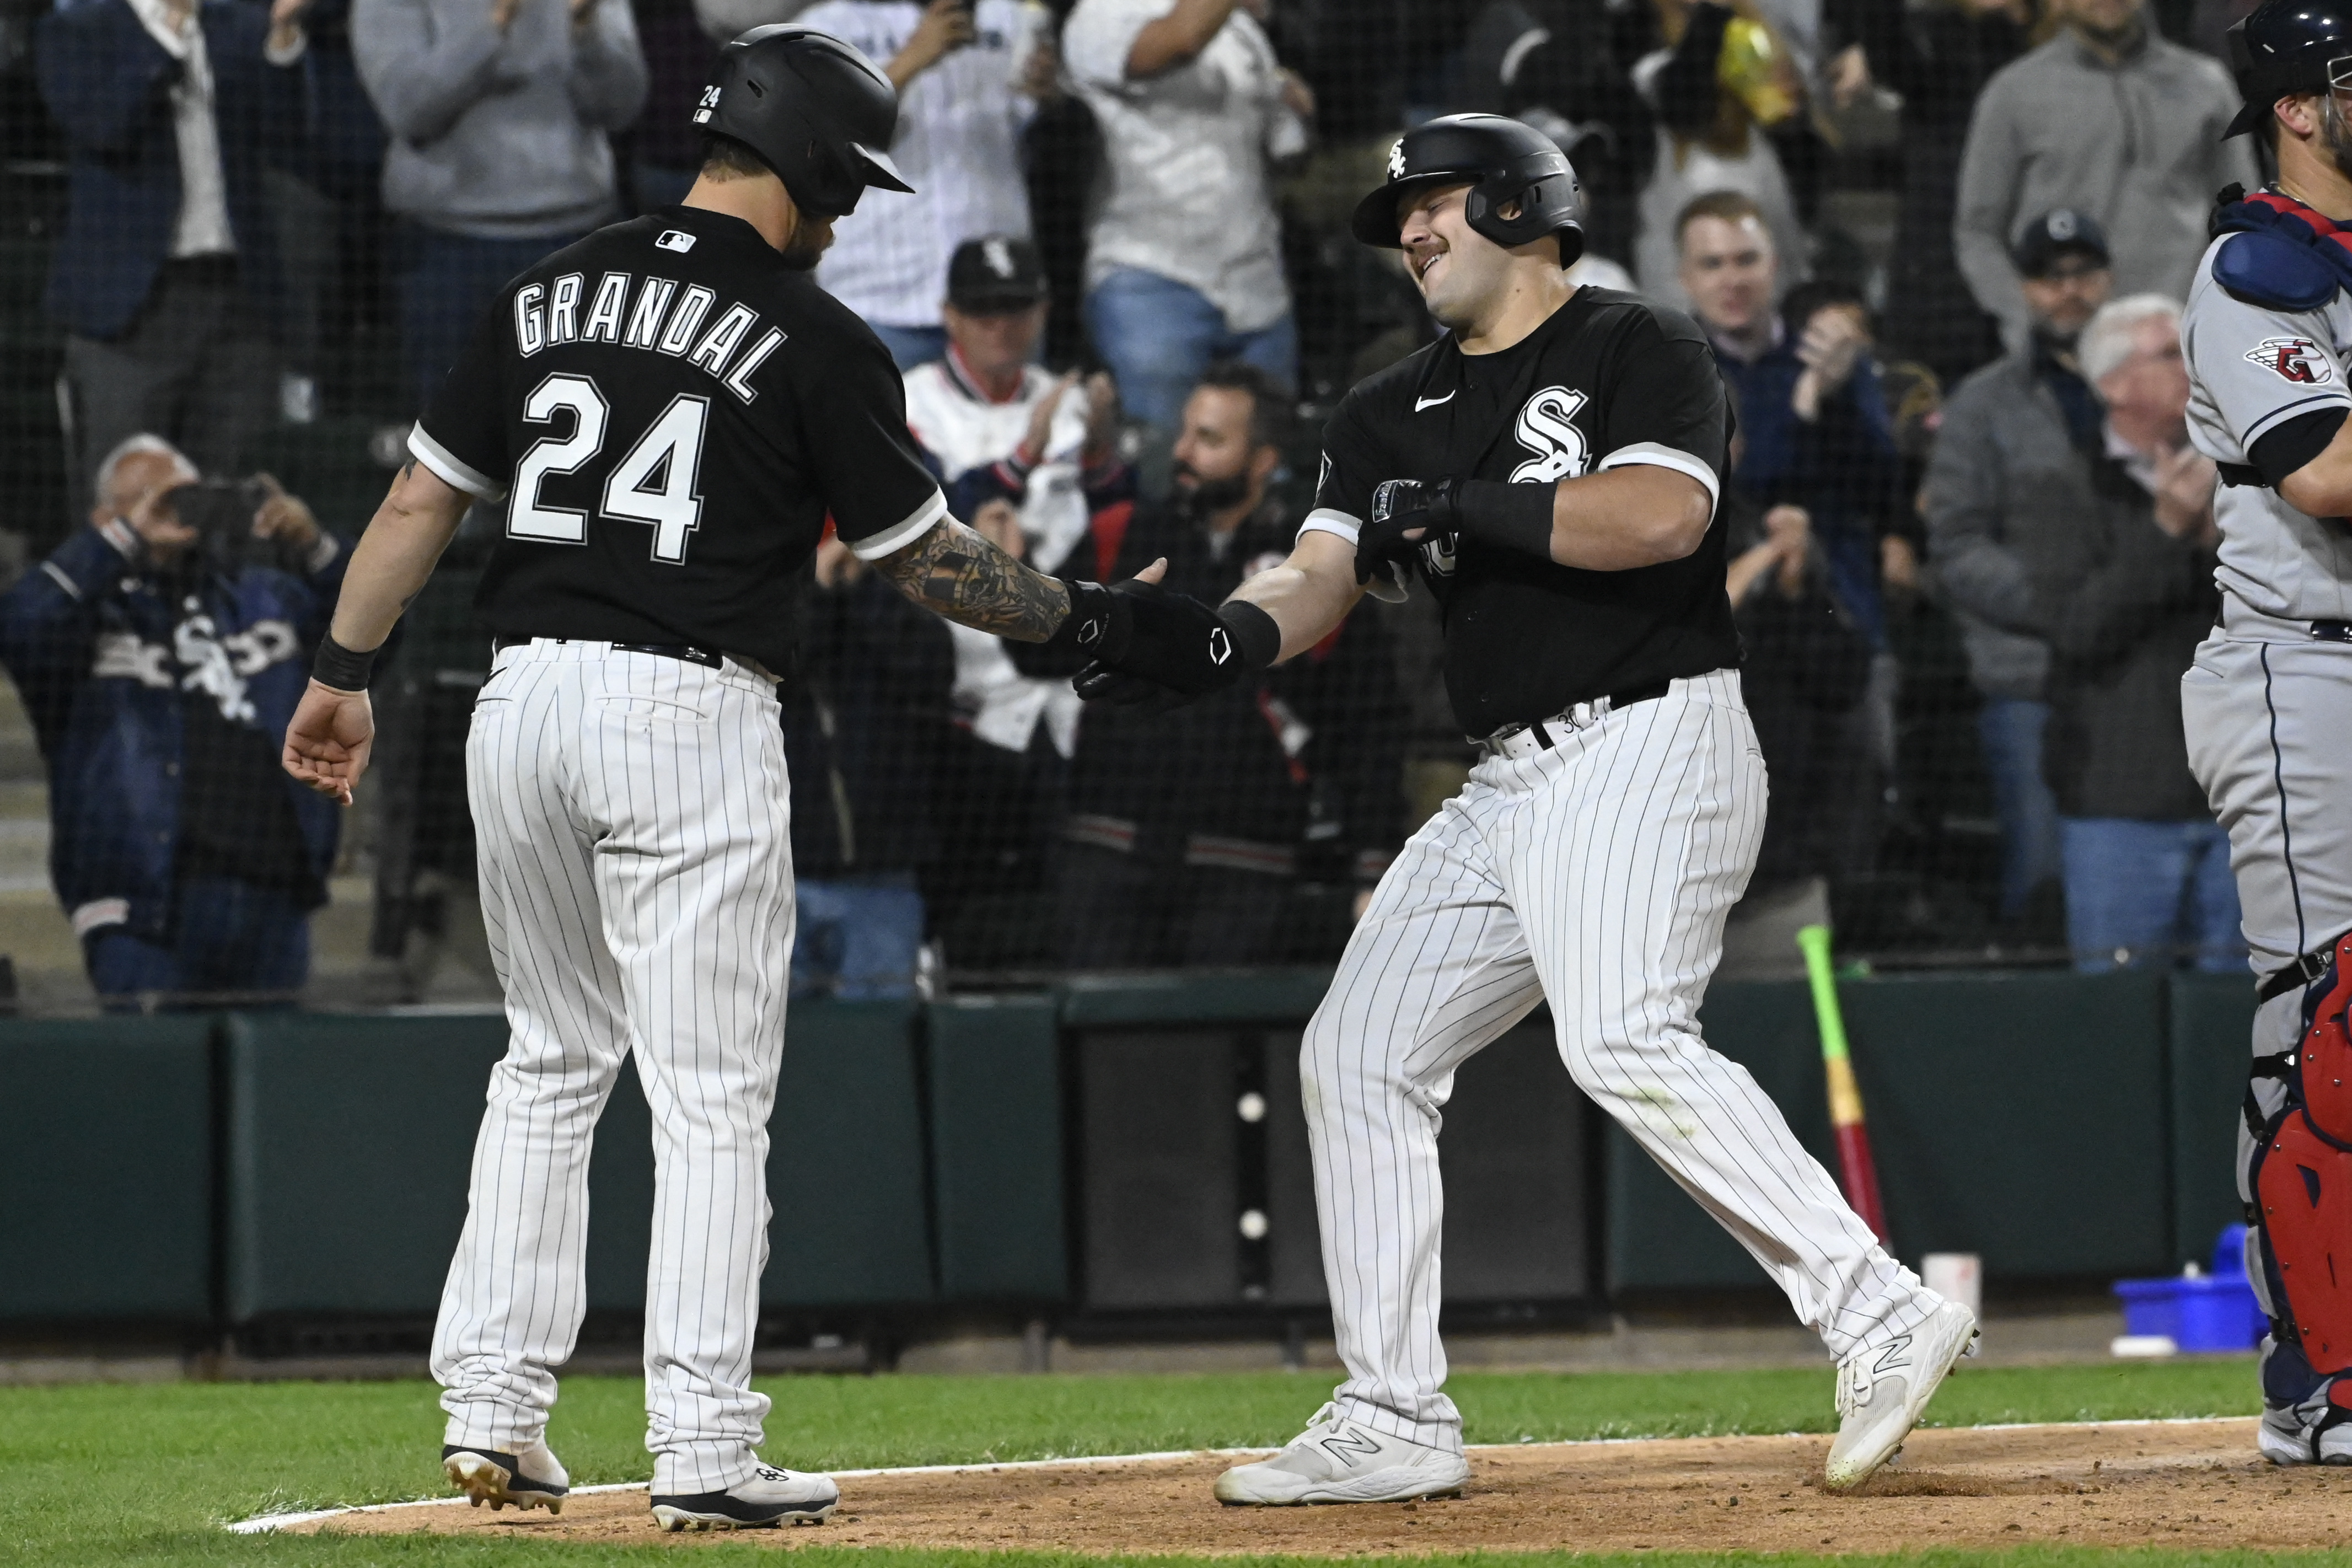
(2210, 1044)
(845, 1162)
(996, 1148)
(105, 1169)
(2021, 1117)
(351, 1138)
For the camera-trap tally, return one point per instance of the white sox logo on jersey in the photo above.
(1545, 427)
(2293, 358)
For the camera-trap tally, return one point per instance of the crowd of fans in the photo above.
(1970, 548)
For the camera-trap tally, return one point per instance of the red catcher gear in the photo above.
(2303, 1181)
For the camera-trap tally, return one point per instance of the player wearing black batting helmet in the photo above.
(1547, 472)
(2288, 46)
(814, 109)
(666, 419)
(1522, 185)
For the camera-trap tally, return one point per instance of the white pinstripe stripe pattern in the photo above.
(634, 833)
(1597, 876)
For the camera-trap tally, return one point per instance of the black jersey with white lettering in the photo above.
(1608, 380)
(668, 414)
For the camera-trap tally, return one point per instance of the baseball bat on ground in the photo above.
(1857, 1171)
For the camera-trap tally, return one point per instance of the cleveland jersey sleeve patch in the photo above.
(2261, 366)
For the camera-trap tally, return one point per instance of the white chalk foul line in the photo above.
(261, 1523)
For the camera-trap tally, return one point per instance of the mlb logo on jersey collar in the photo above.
(675, 239)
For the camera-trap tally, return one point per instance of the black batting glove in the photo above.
(1100, 683)
(1181, 650)
(1399, 506)
(1099, 623)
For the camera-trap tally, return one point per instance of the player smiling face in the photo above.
(1463, 276)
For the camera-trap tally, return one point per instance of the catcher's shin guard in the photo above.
(2302, 1182)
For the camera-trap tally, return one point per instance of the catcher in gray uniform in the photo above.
(2268, 702)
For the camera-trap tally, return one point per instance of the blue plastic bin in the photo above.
(2210, 1313)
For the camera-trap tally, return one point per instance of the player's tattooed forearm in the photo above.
(972, 582)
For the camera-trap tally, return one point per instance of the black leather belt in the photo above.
(2331, 631)
(1617, 700)
(708, 658)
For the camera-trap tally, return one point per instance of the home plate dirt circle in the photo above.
(2187, 1484)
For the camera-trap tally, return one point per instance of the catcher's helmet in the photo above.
(814, 109)
(2286, 46)
(1502, 161)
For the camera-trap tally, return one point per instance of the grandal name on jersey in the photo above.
(656, 314)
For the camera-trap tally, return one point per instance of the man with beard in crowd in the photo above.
(1189, 831)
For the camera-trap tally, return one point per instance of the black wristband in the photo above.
(1257, 638)
(342, 669)
(1517, 517)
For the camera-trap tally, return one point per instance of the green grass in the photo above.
(147, 1474)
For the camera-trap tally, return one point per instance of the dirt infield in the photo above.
(2189, 1484)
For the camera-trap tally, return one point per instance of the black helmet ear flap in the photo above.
(1548, 207)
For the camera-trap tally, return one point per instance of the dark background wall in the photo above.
(1108, 1152)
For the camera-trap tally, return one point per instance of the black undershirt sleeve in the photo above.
(2290, 444)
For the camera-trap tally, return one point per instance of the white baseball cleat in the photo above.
(528, 1478)
(2298, 1434)
(1339, 1461)
(769, 1497)
(1882, 1390)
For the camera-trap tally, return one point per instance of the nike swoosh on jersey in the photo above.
(1422, 403)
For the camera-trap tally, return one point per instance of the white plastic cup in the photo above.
(1956, 1277)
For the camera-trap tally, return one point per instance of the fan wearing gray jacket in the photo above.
(2011, 466)
(498, 112)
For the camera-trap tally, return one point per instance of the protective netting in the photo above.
(258, 235)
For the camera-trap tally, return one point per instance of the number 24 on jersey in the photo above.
(656, 483)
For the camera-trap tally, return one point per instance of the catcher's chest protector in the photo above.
(2303, 1181)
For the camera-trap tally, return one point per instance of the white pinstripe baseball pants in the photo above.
(633, 827)
(1596, 874)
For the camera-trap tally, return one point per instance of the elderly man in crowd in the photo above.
(2124, 589)
(160, 652)
(1184, 262)
(2012, 462)
(2106, 118)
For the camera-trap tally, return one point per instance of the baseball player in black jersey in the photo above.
(1549, 470)
(667, 413)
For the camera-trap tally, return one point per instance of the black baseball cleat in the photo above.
(769, 1497)
(487, 1475)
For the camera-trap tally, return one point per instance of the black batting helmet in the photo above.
(1502, 161)
(814, 110)
(2288, 47)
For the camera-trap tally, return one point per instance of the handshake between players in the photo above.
(1155, 648)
